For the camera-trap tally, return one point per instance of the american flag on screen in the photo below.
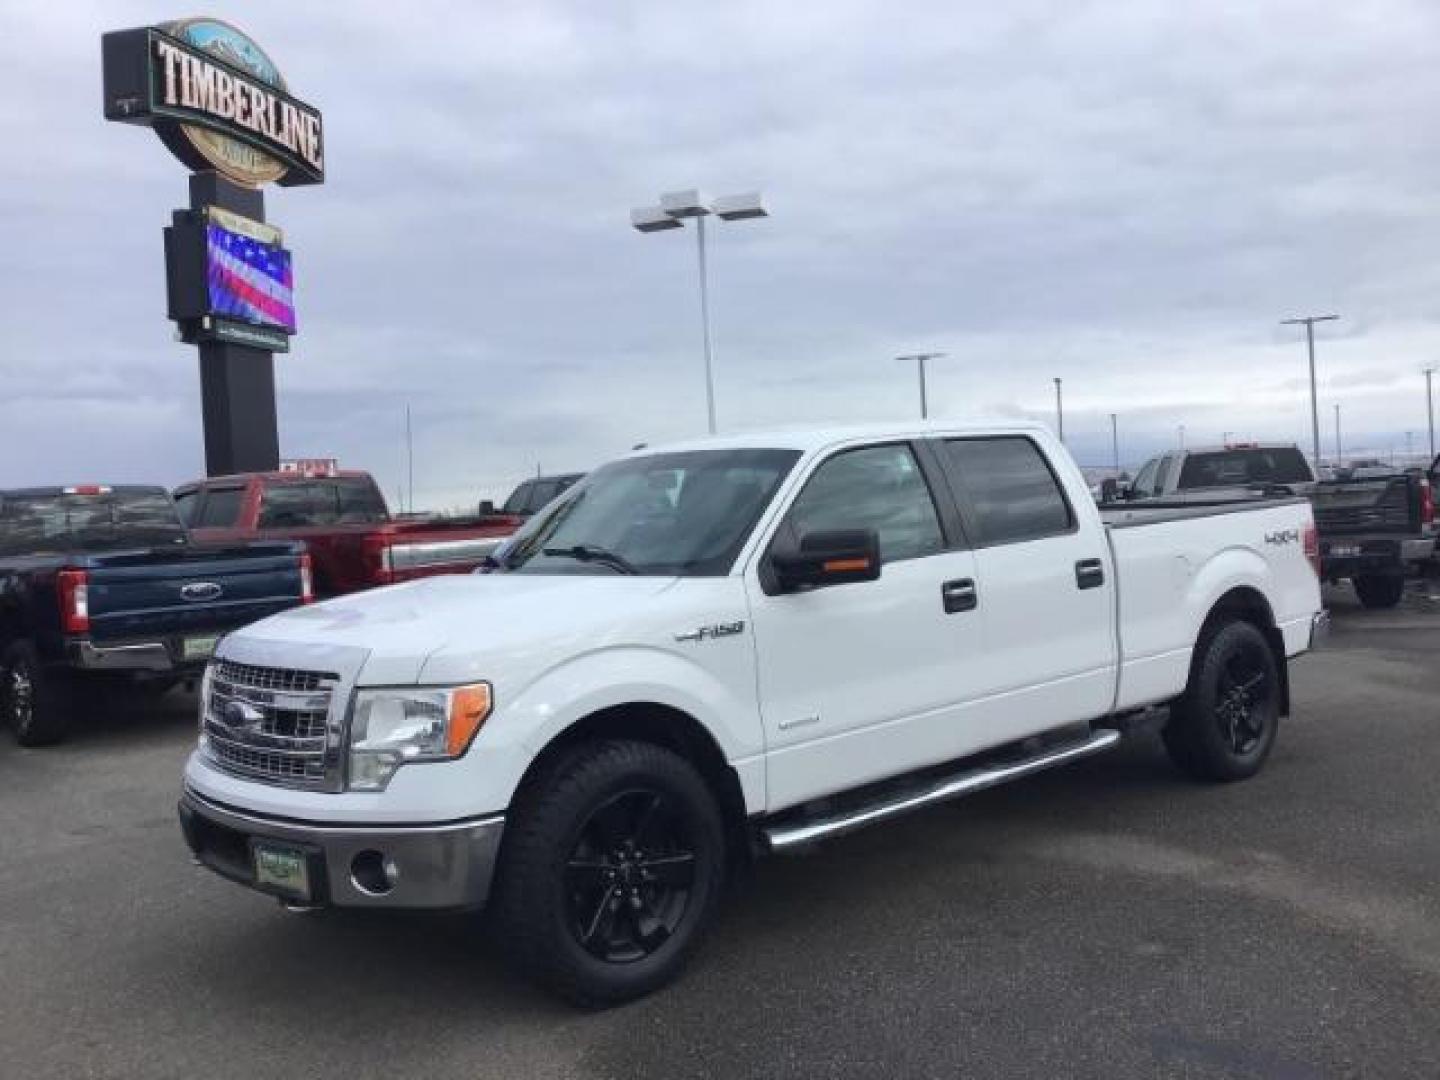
(249, 281)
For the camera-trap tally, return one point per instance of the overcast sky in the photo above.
(1125, 195)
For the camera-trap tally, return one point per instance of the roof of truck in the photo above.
(817, 438)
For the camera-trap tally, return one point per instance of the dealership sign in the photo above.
(215, 99)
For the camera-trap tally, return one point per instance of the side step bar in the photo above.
(966, 782)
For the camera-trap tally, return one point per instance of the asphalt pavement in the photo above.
(1105, 920)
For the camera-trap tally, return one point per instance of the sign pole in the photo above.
(237, 382)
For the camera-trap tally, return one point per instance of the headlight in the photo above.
(390, 727)
(205, 698)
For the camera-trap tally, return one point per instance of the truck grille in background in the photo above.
(270, 724)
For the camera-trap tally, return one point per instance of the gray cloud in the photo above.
(1129, 196)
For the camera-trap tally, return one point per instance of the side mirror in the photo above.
(487, 507)
(830, 557)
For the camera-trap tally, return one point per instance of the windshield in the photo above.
(45, 524)
(684, 514)
(1253, 465)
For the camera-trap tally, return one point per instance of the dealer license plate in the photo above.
(199, 648)
(281, 868)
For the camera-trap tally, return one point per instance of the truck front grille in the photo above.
(272, 724)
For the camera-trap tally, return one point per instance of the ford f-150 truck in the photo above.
(343, 520)
(738, 644)
(99, 584)
(1374, 529)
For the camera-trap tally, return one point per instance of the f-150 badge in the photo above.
(717, 630)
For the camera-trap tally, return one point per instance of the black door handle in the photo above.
(1089, 573)
(959, 595)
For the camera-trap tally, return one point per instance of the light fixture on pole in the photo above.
(920, 360)
(1059, 411)
(1309, 321)
(677, 206)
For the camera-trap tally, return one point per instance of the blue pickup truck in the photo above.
(102, 585)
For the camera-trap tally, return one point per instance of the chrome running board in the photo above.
(966, 782)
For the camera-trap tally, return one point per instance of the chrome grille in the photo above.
(271, 724)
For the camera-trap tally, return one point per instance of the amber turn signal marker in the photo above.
(841, 566)
(469, 706)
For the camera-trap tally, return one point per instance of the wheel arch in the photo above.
(1245, 603)
(665, 726)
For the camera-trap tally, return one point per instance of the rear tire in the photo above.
(35, 704)
(610, 872)
(1380, 590)
(1224, 725)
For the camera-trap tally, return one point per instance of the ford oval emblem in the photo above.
(238, 716)
(196, 591)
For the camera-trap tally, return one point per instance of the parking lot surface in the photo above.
(1107, 920)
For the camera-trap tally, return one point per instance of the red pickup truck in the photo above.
(341, 516)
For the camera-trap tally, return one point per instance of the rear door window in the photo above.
(299, 505)
(1012, 492)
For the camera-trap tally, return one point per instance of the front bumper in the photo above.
(432, 866)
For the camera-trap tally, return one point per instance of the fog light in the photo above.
(373, 874)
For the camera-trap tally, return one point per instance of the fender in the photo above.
(616, 676)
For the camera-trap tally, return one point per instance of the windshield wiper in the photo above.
(592, 553)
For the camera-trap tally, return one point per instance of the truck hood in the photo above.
(400, 627)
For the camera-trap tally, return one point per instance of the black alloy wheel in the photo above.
(1242, 705)
(610, 870)
(629, 878)
(1224, 725)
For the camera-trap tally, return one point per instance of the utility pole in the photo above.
(410, 460)
(1339, 455)
(1309, 322)
(1115, 444)
(1182, 436)
(920, 359)
(1059, 411)
(1430, 409)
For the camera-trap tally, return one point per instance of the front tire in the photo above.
(610, 873)
(34, 703)
(1380, 590)
(1224, 725)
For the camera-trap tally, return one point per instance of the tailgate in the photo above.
(1355, 506)
(157, 594)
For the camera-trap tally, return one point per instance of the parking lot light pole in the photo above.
(1059, 411)
(1115, 443)
(1430, 409)
(1339, 455)
(920, 361)
(675, 207)
(1309, 321)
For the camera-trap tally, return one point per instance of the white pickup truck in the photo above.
(736, 645)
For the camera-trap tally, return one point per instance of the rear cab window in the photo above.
(43, 522)
(1010, 491)
(1244, 466)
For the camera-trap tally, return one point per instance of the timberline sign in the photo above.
(215, 99)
